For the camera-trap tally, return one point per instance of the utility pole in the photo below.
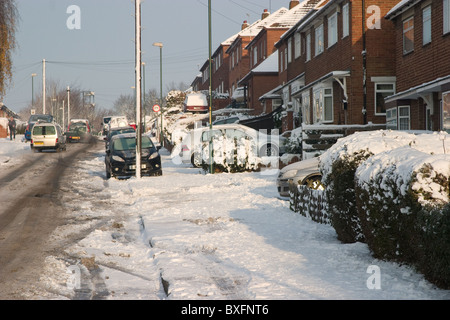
(68, 105)
(138, 90)
(211, 161)
(43, 86)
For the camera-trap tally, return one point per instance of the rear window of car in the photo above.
(130, 143)
(44, 118)
(44, 130)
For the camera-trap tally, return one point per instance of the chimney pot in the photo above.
(265, 14)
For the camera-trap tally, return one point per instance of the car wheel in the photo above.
(196, 160)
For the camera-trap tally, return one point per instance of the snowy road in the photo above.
(190, 236)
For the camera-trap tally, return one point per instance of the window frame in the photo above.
(318, 40)
(426, 26)
(376, 91)
(297, 45)
(408, 30)
(332, 29)
(345, 20)
(446, 16)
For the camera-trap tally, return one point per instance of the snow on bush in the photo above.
(231, 155)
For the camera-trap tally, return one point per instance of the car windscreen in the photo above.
(44, 130)
(125, 144)
(78, 126)
(116, 132)
(41, 117)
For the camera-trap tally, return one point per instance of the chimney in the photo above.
(265, 14)
(293, 4)
(245, 25)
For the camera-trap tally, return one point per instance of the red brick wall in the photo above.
(430, 61)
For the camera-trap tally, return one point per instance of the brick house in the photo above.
(334, 71)
(260, 80)
(422, 55)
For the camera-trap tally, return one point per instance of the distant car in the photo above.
(304, 172)
(196, 102)
(33, 120)
(105, 123)
(47, 136)
(116, 131)
(78, 131)
(120, 159)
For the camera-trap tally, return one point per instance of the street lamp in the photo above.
(32, 89)
(160, 45)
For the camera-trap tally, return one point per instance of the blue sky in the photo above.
(100, 55)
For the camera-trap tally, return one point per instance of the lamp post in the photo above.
(68, 105)
(32, 89)
(138, 86)
(160, 45)
(211, 161)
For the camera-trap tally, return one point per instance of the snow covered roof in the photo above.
(400, 7)
(268, 65)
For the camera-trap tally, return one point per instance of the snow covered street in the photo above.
(188, 235)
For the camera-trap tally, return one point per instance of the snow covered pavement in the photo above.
(192, 236)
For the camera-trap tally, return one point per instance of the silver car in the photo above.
(304, 172)
(47, 136)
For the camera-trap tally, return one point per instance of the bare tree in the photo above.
(8, 24)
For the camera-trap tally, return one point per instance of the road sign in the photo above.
(156, 108)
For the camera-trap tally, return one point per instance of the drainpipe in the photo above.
(364, 56)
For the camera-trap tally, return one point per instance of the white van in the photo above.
(47, 136)
(118, 122)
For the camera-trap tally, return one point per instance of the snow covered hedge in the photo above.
(391, 190)
(338, 166)
(402, 195)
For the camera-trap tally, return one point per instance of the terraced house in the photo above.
(422, 57)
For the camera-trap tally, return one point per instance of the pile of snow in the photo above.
(11, 151)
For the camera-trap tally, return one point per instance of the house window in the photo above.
(426, 25)
(445, 109)
(345, 21)
(403, 118)
(408, 35)
(308, 47)
(323, 105)
(281, 62)
(332, 30)
(319, 40)
(289, 53)
(297, 49)
(446, 16)
(285, 58)
(255, 55)
(305, 108)
(391, 119)
(382, 90)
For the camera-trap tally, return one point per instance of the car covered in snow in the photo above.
(120, 159)
(47, 136)
(196, 102)
(305, 172)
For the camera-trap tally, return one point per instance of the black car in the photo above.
(117, 131)
(120, 159)
(78, 132)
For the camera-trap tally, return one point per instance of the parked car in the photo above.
(78, 131)
(266, 145)
(120, 159)
(189, 150)
(105, 123)
(47, 136)
(33, 120)
(304, 172)
(196, 102)
(116, 131)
